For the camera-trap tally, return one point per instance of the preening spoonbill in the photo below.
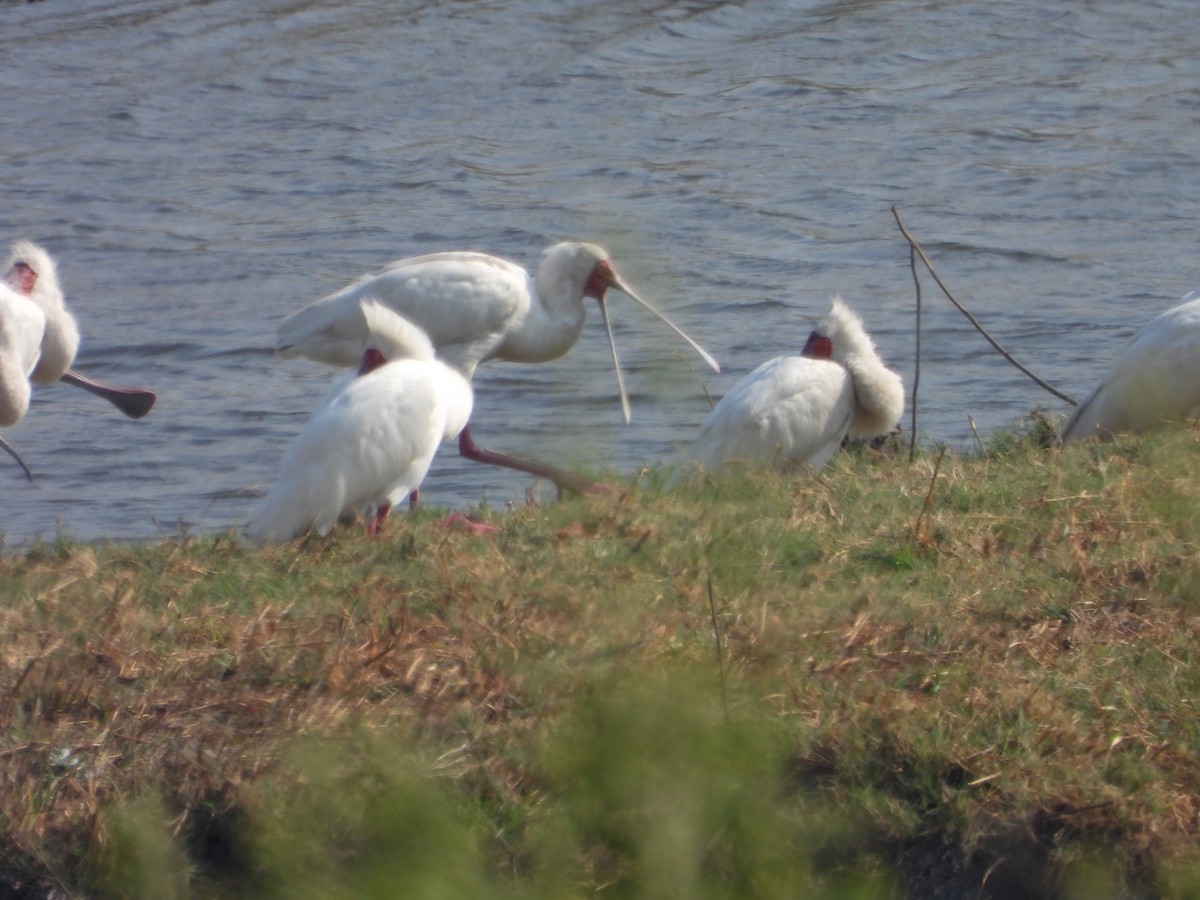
(1155, 379)
(372, 439)
(31, 272)
(476, 307)
(796, 410)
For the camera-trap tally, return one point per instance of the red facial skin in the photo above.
(372, 360)
(818, 347)
(601, 279)
(21, 278)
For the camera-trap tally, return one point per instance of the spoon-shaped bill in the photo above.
(612, 343)
(628, 292)
(134, 402)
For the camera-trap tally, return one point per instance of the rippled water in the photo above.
(200, 169)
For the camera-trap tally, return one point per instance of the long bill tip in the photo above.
(612, 343)
(704, 354)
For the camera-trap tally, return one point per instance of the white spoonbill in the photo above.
(1155, 379)
(372, 439)
(22, 327)
(796, 410)
(476, 307)
(31, 272)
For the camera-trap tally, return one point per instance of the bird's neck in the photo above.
(550, 327)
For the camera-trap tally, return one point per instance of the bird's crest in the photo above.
(566, 268)
(845, 331)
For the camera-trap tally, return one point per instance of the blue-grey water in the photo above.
(200, 168)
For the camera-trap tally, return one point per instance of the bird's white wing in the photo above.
(789, 411)
(309, 487)
(465, 302)
(371, 441)
(22, 325)
(1155, 378)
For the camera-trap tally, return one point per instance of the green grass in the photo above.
(889, 680)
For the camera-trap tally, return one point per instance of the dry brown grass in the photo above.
(1007, 648)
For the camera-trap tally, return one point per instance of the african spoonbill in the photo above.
(475, 308)
(796, 410)
(31, 272)
(372, 439)
(1155, 379)
(22, 327)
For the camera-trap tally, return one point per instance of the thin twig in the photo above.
(8, 448)
(937, 464)
(978, 439)
(912, 438)
(912, 242)
(712, 609)
(699, 378)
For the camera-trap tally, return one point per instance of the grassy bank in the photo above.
(953, 677)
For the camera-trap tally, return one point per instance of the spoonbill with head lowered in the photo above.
(796, 410)
(475, 308)
(1154, 380)
(372, 439)
(31, 272)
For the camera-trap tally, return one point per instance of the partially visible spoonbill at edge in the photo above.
(475, 308)
(372, 439)
(1156, 379)
(795, 411)
(32, 273)
(22, 327)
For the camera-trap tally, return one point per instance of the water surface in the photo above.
(200, 169)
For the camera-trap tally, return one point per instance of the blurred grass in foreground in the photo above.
(871, 683)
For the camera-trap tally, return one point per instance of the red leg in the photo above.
(463, 523)
(375, 524)
(469, 449)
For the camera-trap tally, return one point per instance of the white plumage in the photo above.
(476, 307)
(32, 273)
(1155, 379)
(796, 410)
(22, 328)
(473, 306)
(372, 439)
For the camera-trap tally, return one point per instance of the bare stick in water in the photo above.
(7, 448)
(912, 242)
(912, 438)
(134, 402)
